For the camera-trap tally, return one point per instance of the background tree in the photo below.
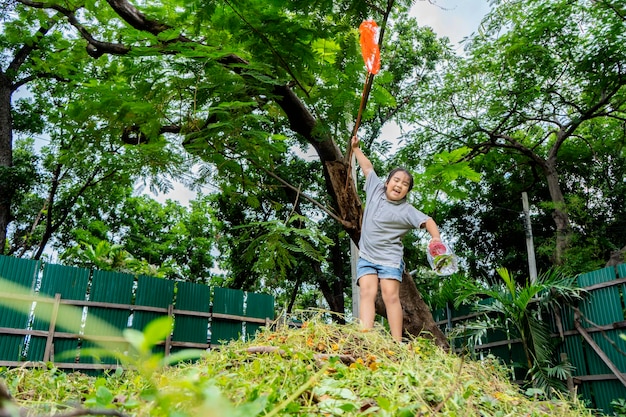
(82, 174)
(538, 104)
(167, 240)
(265, 94)
(85, 169)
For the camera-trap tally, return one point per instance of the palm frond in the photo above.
(545, 377)
(539, 339)
(518, 309)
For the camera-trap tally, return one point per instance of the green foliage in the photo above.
(272, 244)
(205, 87)
(441, 292)
(619, 407)
(317, 369)
(446, 178)
(537, 102)
(210, 77)
(107, 257)
(166, 240)
(517, 310)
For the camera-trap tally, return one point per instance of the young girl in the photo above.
(387, 218)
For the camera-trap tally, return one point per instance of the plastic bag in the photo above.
(441, 259)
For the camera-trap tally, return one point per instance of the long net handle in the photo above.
(370, 50)
(367, 87)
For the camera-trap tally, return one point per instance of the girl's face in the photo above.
(398, 186)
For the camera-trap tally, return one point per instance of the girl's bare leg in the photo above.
(368, 289)
(390, 289)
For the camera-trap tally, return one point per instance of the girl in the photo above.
(387, 218)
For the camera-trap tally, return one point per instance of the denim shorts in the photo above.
(365, 267)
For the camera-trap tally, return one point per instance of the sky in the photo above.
(455, 19)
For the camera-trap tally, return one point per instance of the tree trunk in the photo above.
(6, 158)
(560, 216)
(617, 257)
(9, 83)
(334, 296)
(417, 317)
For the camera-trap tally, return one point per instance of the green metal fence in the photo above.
(52, 312)
(591, 340)
(108, 288)
(14, 312)
(206, 317)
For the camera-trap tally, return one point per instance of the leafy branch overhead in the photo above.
(271, 244)
(214, 123)
(262, 93)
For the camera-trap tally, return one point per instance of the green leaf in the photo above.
(157, 331)
(135, 338)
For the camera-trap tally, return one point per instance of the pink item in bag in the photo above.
(437, 248)
(441, 259)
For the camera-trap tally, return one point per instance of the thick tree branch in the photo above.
(138, 20)
(310, 199)
(28, 47)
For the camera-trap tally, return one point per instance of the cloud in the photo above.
(455, 19)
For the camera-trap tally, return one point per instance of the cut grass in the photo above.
(318, 369)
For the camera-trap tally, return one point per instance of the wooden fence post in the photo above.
(570, 381)
(597, 348)
(168, 339)
(51, 328)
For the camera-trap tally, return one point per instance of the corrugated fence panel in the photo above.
(503, 351)
(440, 315)
(461, 341)
(71, 283)
(518, 357)
(613, 346)
(152, 292)
(259, 306)
(74, 324)
(621, 273)
(573, 346)
(576, 350)
(602, 306)
(13, 313)
(107, 287)
(193, 297)
(226, 301)
(605, 392)
(463, 310)
(567, 320)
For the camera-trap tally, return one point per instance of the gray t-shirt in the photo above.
(385, 222)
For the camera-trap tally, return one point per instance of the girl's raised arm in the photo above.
(363, 161)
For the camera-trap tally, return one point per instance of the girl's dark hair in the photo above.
(393, 171)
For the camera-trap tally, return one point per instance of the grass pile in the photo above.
(320, 369)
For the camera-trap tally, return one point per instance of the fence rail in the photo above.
(49, 311)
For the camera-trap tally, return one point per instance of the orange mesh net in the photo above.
(369, 45)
